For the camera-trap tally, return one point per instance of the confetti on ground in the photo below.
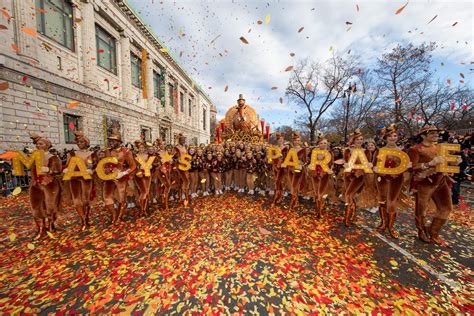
(227, 254)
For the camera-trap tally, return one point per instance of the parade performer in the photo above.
(251, 169)
(218, 167)
(163, 173)
(296, 174)
(389, 186)
(125, 166)
(142, 181)
(353, 180)
(180, 150)
(278, 171)
(82, 189)
(320, 178)
(428, 184)
(45, 188)
(193, 172)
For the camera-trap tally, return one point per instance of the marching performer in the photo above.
(163, 173)
(429, 184)
(142, 181)
(45, 189)
(320, 179)
(389, 186)
(278, 171)
(353, 180)
(296, 175)
(81, 189)
(180, 149)
(125, 166)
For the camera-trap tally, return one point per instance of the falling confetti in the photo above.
(401, 9)
(289, 68)
(226, 88)
(16, 191)
(348, 23)
(164, 50)
(203, 181)
(461, 74)
(267, 19)
(455, 23)
(29, 31)
(357, 7)
(4, 86)
(449, 81)
(15, 48)
(71, 125)
(292, 54)
(433, 19)
(73, 104)
(274, 88)
(281, 100)
(259, 22)
(301, 29)
(243, 40)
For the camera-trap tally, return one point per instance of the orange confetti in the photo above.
(289, 68)
(6, 14)
(15, 48)
(243, 40)
(73, 104)
(41, 10)
(449, 81)
(401, 9)
(29, 31)
(4, 86)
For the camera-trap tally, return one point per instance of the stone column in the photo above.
(126, 68)
(25, 17)
(88, 44)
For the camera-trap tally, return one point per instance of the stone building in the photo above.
(92, 65)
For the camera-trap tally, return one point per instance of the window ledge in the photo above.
(57, 46)
(106, 72)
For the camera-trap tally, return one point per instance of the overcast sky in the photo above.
(204, 37)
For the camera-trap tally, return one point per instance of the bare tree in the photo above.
(315, 87)
(401, 71)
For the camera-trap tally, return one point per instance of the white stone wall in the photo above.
(29, 105)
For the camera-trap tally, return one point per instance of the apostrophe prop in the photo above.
(146, 166)
(184, 162)
(358, 154)
(382, 158)
(37, 157)
(76, 162)
(324, 163)
(443, 150)
(291, 159)
(100, 168)
(273, 152)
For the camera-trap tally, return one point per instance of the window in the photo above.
(156, 85)
(106, 57)
(189, 107)
(54, 20)
(145, 133)
(204, 119)
(171, 95)
(181, 102)
(70, 123)
(136, 70)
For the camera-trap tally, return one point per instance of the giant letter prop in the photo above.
(71, 172)
(443, 150)
(22, 159)
(100, 168)
(358, 154)
(382, 157)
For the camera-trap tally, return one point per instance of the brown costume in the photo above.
(320, 182)
(45, 189)
(81, 189)
(125, 166)
(429, 184)
(296, 175)
(184, 177)
(353, 180)
(142, 182)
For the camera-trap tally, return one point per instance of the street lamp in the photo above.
(347, 94)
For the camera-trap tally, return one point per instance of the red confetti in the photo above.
(71, 125)
(24, 78)
(401, 9)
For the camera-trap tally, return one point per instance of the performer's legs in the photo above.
(354, 184)
(75, 185)
(323, 185)
(37, 208)
(422, 197)
(108, 191)
(394, 188)
(382, 190)
(52, 194)
(443, 201)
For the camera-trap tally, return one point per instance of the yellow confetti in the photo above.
(164, 50)
(12, 237)
(53, 107)
(16, 191)
(203, 181)
(267, 19)
(50, 234)
(394, 263)
(30, 246)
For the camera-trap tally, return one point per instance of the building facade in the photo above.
(95, 66)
